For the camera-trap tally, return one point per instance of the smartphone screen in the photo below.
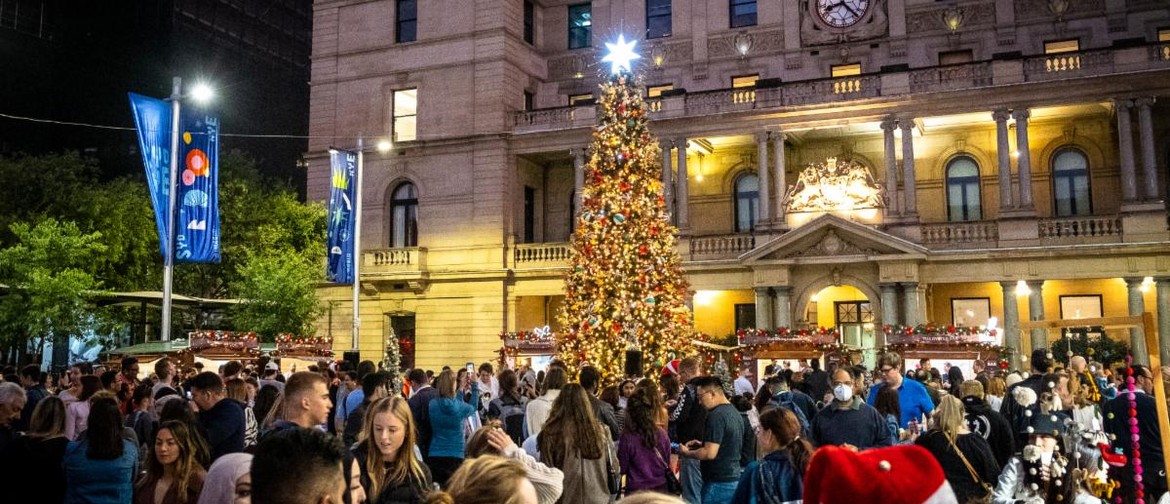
(470, 367)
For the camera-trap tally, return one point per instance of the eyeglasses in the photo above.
(886, 370)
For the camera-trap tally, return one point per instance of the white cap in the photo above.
(271, 366)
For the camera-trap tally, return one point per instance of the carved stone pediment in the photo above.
(832, 239)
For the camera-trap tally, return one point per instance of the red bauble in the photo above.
(643, 250)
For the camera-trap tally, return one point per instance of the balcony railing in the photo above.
(722, 100)
(1080, 227)
(950, 78)
(1068, 65)
(550, 116)
(535, 254)
(947, 233)
(720, 247)
(393, 260)
(831, 90)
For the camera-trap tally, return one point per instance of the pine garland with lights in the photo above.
(624, 288)
(720, 371)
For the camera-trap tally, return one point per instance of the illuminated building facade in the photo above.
(850, 165)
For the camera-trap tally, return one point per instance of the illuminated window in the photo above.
(405, 113)
(656, 91)
(747, 202)
(580, 99)
(846, 70)
(743, 13)
(1164, 35)
(657, 18)
(406, 22)
(404, 216)
(963, 202)
(745, 81)
(955, 57)
(1062, 46)
(1070, 183)
(580, 25)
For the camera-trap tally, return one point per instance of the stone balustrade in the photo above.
(950, 77)
(530, 254)
(1068, 65)
(720, 247)
(1081, 227)
(946, 233)
(404, 259)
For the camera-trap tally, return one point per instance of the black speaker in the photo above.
(633, 363)
(352, 357)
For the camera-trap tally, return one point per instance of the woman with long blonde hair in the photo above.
(173, 473)
(966, 458)
(573, 441)
(390, 471)
(487, 480)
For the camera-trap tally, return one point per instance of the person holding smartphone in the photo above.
(720, 449)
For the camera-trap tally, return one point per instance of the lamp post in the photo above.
(200, 93)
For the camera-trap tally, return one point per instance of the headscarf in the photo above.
(220, 485)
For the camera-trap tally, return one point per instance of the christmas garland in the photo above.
(226, 339)
(321, 346)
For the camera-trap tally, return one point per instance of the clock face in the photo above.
(842, 13)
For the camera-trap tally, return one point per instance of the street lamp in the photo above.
(201, 93)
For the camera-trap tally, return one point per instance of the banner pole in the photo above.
(169, 257)
(357, 241)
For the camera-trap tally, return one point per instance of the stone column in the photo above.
(765, 180)
(1163, 300)
(667, 178)
(681, 199)
(578, 176)
(889, 304)
(1003, 150)
(1024, 162)
(763, 308)
(909, 195)
(1011, 322)
(891, 160)
(1129, 191)
(1036, 312)
(1137, 306)
(782, 313)
(912, 303)
(781, 184)
(1149, 162)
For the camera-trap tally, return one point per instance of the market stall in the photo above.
(534, 349)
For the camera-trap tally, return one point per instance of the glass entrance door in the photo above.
(855, 321)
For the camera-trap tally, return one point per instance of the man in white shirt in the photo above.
(743, 384)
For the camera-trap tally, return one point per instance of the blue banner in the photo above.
(197, 223)
(152, 119)
(339, 241)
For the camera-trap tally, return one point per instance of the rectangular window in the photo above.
(656, 91)
(405, 114)
(529, 214)
(745, 316)
(743, 13)
(1062, 46)
(657, 18)
(529, 22)
(580, 99)
(1164, 35)
(743, 81)
(580, 25)
(406, 24)
(528, 99)
(845, 70)
(955, 57)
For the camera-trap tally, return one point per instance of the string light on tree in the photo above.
(624, 289)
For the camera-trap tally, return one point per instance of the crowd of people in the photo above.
(338, 433)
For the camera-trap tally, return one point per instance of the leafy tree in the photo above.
(278, 294)
(49, 272)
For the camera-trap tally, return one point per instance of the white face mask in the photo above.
(843, 393)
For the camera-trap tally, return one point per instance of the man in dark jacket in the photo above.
(688, 421)
(420, 403)
(817, 381)
(590, 378)
(1116, 414)
(987, 423)
(848, 420)
(1012, 411)
(30, 377)
(221, 421)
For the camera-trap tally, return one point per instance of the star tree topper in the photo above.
(621, 54)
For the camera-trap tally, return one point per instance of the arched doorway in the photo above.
(852, 313)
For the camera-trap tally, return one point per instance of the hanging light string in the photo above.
(129, 128)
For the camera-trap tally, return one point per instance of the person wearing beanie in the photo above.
(848, 420)
(987, 423)
(1012, 411)
(1041, 472)
(904, 474)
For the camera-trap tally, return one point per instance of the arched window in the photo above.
(1070, 183)
(747, 202)
(404, 216)
(963, 196)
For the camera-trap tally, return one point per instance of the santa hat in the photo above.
(905, 474)
(671, 368)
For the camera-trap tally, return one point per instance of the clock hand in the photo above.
(848, 8)
(831, 7)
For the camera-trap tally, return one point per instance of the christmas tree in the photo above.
(625, 287)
